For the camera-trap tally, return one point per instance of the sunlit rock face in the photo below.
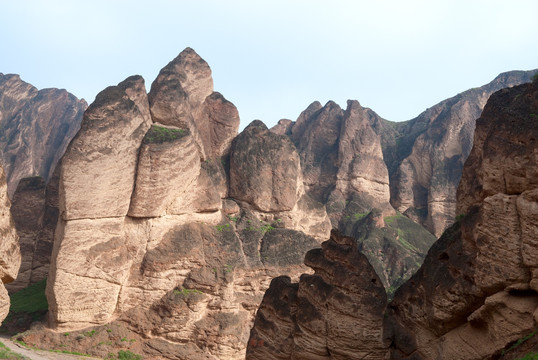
(10, 256)
(182, 96)
(153, 231)
(35, 128)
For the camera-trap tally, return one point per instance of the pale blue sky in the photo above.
(273, 58)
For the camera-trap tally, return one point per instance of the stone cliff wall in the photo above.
(479, 281)
(35, 128)
(10, 256)
(476, 293)
(431, 150)
(149, 222)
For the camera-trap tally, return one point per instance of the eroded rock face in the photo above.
(27, 209)
(10, 256)
(336, 313)
(315, 134)
(360, 157)
(428, 172)
(343, 160)
(148, 234)
(477, 290)
(98, 169)
(168, 157)
(182, 96)
(264, 169)
(36, 127)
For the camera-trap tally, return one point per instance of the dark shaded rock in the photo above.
(27, 210)
(335, 313)
(35, 128)
(281, 247)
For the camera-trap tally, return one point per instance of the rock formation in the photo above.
(35, 128)
(476, 295)
(366, 169)
(342, 157)
(182, 96)
(430, 152)
(27, 209)
(336, 313)
(10, 256)
(171, 225)
(154, 236)
(477, 292)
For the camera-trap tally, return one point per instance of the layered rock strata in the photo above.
(35, 128)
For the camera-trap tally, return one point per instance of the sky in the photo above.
(272, 58)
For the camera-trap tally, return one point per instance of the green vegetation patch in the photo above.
(128, 355)
(6, 353)
(359, 216)
(389, 220)
(158, 135)
(521, 341)
(530, 356)
(30, 299)
(186, 292)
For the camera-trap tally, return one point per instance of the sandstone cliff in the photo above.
(475, 296)
(477, 291)
(35, 128)
(366, 170)
(172, 225)
(426, 160)
(10, 256)
(155, 232)
(342, 157)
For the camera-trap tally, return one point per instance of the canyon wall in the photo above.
(35, 128)
(149, 221)
(10, 255)
(476, 293)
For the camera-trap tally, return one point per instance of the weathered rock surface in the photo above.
(336, 313)
(360, 157)
(98, 169)
(168, 157)
(10, 256)
(27, 209)
(149, 236)
(182, 96)
(35, 128)
(342, 157)
(264, 169)
(477, 291)
(315, 134)
(174, 232)
(431, 150)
